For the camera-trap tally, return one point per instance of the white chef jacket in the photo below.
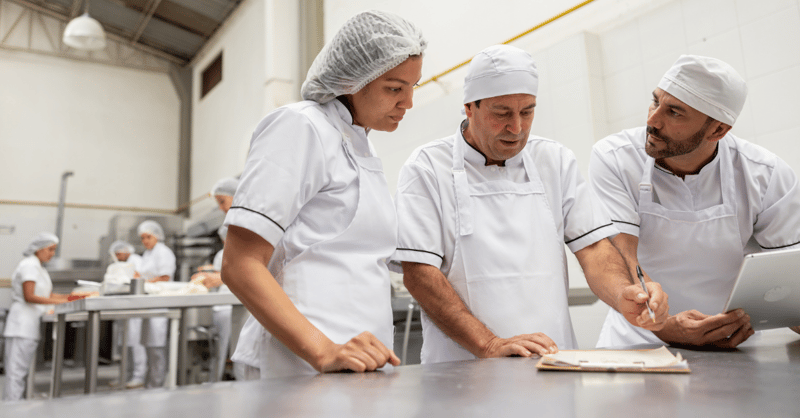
(427, 213)
(767, 201)
(160, 261)
(300, 191)
(23, 317)
(121, 272)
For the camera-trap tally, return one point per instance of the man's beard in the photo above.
(675, 148)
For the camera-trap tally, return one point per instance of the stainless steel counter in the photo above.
(761, 379)
(97, 306)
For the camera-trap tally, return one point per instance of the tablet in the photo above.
(768, 289)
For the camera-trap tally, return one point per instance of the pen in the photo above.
(647, 302)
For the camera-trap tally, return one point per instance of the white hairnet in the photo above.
(500, 70)
(708, 85)
(120, 246)
(365, 47)
(225, 187)
(152, 228)
(43, 240)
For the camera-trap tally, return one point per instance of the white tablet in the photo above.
(768, 289)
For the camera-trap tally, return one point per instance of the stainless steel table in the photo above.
(759, 379)
(172, 314)
(106, 304)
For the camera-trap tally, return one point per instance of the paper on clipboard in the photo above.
(658, 360)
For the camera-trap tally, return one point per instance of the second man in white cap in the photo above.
(483, 217)
(690, 200)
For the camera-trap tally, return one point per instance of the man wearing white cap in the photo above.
(483, 217)
(690, 200)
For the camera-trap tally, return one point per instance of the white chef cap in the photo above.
(368, 45)
(225, 187)
(120, 246)
(708, 85)
(152, 228)
(222, 232)
(43, 240)
(500, 70)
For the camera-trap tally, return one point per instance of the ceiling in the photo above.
(178, 28)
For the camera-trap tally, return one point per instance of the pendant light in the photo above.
(85, 33)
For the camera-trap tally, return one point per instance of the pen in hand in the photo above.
(647, 302)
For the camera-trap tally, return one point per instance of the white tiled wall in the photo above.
(760, 39)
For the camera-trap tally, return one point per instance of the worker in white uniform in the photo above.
(32, 293)
(158, 264)
(125, 263)
(312, 223)
(690, 200)
(484, 215)
(210, 276)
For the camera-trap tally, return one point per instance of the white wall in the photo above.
(259, 44)
(116, 128)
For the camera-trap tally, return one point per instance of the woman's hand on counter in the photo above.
(363, 353)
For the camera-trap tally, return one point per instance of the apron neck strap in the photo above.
(727, 184)
(461, 184)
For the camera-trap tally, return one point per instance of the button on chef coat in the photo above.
(766, 196)
(428, 217)
(300, 192)
(23, 317)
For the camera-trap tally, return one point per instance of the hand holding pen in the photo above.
(644, 288)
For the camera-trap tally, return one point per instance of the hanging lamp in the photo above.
(85, 33)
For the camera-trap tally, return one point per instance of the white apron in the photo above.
(695, 256)
(509, 265)
(354, 294)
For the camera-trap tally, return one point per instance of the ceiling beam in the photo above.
(118, 38)
(75, 10)
(145, 20)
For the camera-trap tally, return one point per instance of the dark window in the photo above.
(212, 75)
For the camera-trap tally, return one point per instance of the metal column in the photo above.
(92, 351)
(58, 355)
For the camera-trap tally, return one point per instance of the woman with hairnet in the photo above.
(125, 263)
(312, 222)
(32, 292)
(158, 264)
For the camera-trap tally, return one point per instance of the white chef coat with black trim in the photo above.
(765, 195)
(428, 220)
(303, 190)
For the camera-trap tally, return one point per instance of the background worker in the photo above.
(158, 264)
(32, 293)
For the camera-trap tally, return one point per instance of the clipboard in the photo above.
(658, 360)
